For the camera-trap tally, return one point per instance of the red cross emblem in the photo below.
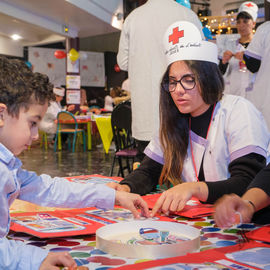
(249, 5)
(174, 37)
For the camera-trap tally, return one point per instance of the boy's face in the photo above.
(17, 134)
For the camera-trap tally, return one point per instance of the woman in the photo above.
(238, 79)
(209, 144)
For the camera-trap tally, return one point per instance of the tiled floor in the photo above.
(66, 163)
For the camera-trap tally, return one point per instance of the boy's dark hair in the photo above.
(20, 87)
(244, 15)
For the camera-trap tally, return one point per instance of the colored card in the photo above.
(53, 223)
(261, 234)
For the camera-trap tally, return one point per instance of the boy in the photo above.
(24, 98)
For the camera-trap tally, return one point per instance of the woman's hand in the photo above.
(174, 199)
(226, 210)
(239, 55)
(55, 259)
(226, 57)
(132, 202)
(118, 187)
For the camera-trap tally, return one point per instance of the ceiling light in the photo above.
(16, 37)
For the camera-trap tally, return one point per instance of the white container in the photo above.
(107, 236)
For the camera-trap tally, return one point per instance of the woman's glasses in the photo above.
(187, 82)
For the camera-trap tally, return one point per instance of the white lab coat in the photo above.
(237, 82)
(237, 129)
(141, 53)
(48, 124)
(259, 48)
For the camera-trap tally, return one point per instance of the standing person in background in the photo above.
(238, 80)
(141, 54)
(259, 51)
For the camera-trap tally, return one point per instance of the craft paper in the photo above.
(261, 234)
(69, 222)
(193, 209)
(250, 255)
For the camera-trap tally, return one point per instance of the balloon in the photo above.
(116, 68)
(83, 55)
(59, 54)
(184, 3)
(28, 64)
(73, 55)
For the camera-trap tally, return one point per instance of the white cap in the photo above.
(59, 91)
(183, 41)
(251, 8)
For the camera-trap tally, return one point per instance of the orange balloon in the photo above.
(59, 54)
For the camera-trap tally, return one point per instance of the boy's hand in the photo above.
(132, 202)
(55, 259)
(118, 187)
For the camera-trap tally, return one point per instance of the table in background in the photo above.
(83, 250)
(86, 120)
(104, 127)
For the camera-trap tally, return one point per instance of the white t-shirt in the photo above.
(141, 53)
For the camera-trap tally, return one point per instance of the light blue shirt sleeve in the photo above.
(58, 192)
(15, 255)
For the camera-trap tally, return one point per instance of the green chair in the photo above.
(64, 119)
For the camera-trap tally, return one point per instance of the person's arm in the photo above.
(257, 197)
(253, 64)
(222, 67)
(242, 171)
(16, 255)
(145, 178)
(58, 192)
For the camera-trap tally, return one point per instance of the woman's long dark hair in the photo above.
(174, 130)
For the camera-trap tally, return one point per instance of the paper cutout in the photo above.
(261, 234)
(193, 209)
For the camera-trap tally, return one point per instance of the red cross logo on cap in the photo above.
(249, 5)
(174, 37)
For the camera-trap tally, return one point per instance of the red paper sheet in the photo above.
(69, 222)
(261, 234)
(193, 209)
(94, 178)
(250, 255)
